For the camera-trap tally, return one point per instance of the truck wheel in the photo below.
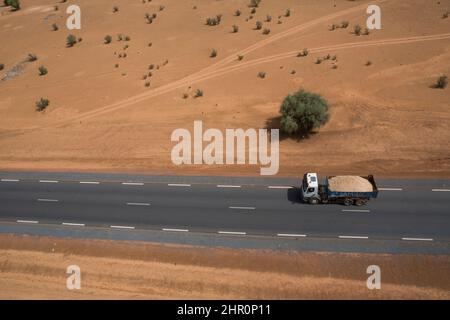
(313, 201)
(360, 202)
(348, 202)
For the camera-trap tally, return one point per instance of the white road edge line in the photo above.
(291, 235)
(122, 227)
(73, 224)
(175, 230)
(137, 204)
(417, 239)
(242, 208)
(354, 210)
(89, 182)
(233, 232)
(227, 186)
(10, 180)
(178, 185)
(353, 237)
(47, 200)
(48, 181)
(440, 190)
(279, 187)
(132, 183)
(27, 221)
(390, 189)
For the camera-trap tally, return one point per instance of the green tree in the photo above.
(302, 112)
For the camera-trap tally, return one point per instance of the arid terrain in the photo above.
(386, 117)
(35, 268)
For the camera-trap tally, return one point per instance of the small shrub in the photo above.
(303, 53)
(357, 30)
(268, 18)
(366, 31)
(332, 27)
(185, 96)
(151, 67)
(266, 31)
(254, 3)
(253, 11)
(55, 27)
(287, 13)
(198, 93)
(42, 71)
(213, 53)
(261, 75)
(2, 66)
(42, 104)
(32, 57)
(235, 28)
(115, 9)
(445, 15)
(237, 13)
(119, 37)
(15, 4)
(161, 8)
(441, 82)
(214, 21)
(147, 84)
(293, 72)
(368, 63)
(335, 66)
(344, 24)
(258, 25)
(108, 39)
(127, 38)
(319, 61)
(71, 40)
(240, 57)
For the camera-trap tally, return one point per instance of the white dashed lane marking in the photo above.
(390, 189)
(179, 185)
(27, 221)
(355, 210)
(353, 237)
(48, 181)
(227, 186)
(69, 224)
(233, 232)
(10, 180)
(122, 227)
(175, 230)
(417, 239)
(142, 204)
(291, 235)
(47, 200)
(89, 182)
(242, 208)
(279, 187)
(133, 183)
(440, 190)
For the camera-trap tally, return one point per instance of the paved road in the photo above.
(410, 211)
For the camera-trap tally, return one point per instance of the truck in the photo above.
(347, 190)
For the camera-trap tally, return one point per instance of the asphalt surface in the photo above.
(411, 211)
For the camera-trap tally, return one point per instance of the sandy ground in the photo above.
(35, 268)
(386, 119)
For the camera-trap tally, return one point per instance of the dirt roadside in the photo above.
(35, 268)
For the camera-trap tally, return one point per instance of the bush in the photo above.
(441, 82)
(266, 31)
(115, 9)
(42, 104)
(235, 29)
(268, 18)
(2, 66)
(198, 93)
(213, 53)
(261, 75)
(55, 27)
(302, 112)
(108, 39)
(254, 3)
(42, 71)
(445, 15)
(71, 40)
(344, 24)
(304, 53)
(214, 21)
(357, 30)
(32, 57)
(237, 13)
(258, 25)
(287, 13)
(240, 57)
(15, 4)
